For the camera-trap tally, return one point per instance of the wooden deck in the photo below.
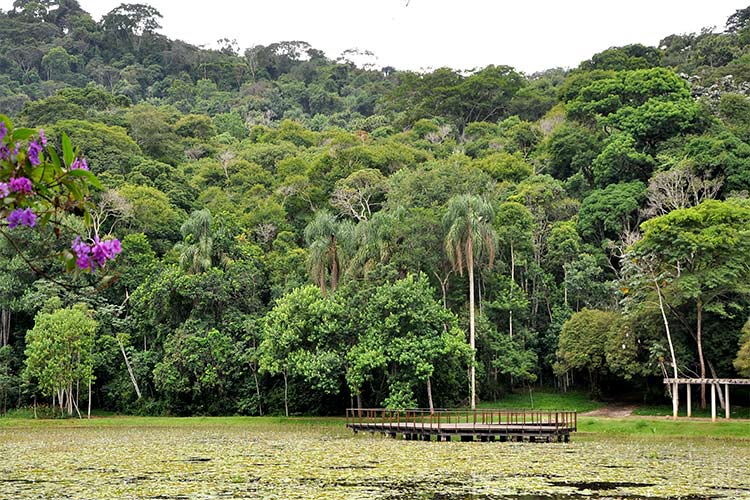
(465, 425)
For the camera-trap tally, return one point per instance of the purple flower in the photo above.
(15, 151)
(20, 185)
(79, 164)
(4, 189)
(4, 152)
(82, 251)
(98, 253)
(102, 251)
(34, 150)
(42, 137)
(3, 131)
(21, 216)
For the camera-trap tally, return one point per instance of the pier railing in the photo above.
(445, 419)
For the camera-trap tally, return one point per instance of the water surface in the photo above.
(283, 462)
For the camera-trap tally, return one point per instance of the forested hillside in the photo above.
(300, 234)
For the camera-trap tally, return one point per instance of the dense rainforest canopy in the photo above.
(300, 234)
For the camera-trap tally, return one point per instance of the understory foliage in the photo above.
(298, 234)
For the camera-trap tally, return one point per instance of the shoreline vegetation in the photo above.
(644, 421)
(588, 427)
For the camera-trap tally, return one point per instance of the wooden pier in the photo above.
(465, 425)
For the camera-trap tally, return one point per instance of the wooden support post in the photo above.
(689, 399)
(675, 400)
(726, 401)
(713, 402)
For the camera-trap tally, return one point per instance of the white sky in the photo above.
(530, 35)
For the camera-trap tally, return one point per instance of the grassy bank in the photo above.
(546, 400)
(587, 426)
(664, 427)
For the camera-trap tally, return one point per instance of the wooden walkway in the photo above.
(465, 425)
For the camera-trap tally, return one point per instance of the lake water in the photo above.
(295, 462)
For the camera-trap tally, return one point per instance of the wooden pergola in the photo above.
(715, 383)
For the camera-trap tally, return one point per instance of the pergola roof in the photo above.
(720, 381)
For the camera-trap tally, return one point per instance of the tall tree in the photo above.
(469, 238)
(706, 248)
(515, 223)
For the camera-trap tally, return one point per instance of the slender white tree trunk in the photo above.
(257, 392)
(472, 342)
(130, 369)
(429, 395)
(286, 395)
(512, 282)
(699, 341)
(675, 397)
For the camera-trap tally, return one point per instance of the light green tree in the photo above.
(304, 339)
(414, 332)
(583, 343)
(60, 354)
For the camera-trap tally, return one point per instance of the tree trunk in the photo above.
(531, 396)
(89, 409)
(257, 392)
(130, 369)
(443, 286)
(334, 265)
(472, 342)
(699, 340)
(322, 280)
(429, 395)
(512, 282)
(675, 398)
(286, 395)
(4, 326)
(70, 399)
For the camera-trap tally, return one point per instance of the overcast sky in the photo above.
(530, 35)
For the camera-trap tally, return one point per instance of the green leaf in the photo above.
(74, 189)
(55, 159)
(20, 134)
(68, 155)
(90, 177)
(106, 281)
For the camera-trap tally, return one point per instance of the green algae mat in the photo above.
(279, 461)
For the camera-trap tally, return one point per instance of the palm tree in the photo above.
(469, 239)
(377, 241)
(327, 240)
(196, 251)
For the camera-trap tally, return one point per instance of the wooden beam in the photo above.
(730, 381)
